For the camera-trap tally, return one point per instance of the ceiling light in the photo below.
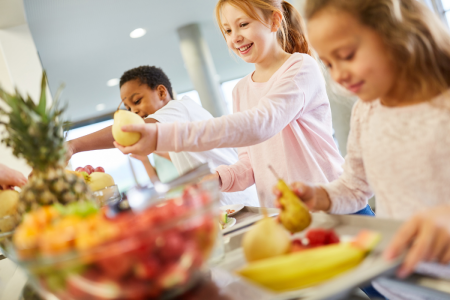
(100, 107)
(137, 33)
(113, 82)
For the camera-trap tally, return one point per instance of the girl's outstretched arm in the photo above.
(283, 104)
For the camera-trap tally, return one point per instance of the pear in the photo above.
(9, 202)
(267, 238)
(121, 118)
(99, 180)
(294, 216)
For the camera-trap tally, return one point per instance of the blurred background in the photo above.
(88, 44)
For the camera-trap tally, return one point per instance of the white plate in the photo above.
(230, 223)
(236, 207)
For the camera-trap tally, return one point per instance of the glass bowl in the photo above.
(108, 195)
(155, 253)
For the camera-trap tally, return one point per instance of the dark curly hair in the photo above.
(149, 75)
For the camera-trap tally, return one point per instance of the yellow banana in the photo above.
(309, 267)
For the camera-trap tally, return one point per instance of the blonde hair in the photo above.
(418, 42)
(291, 34)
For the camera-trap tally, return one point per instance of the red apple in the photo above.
(99, 169)
(89, 169)
(81, 170)
(78, 169)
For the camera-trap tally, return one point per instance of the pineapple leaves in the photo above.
(35, 132)
(43, 99)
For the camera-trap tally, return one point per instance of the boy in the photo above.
(147, 91)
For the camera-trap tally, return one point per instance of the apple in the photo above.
(99, 169)
(89, 169)
(78, 169)
(81, 170)
(100, 181)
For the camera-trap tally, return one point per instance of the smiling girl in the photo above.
(281, 113)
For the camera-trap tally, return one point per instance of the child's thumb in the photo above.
(133, 128)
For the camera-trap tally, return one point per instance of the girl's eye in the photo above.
(137, 102)
(244, 24)
(228, 31)
(350, 56)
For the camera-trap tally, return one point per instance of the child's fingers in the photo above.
(440, 245)
(401, 239)
(445, 259)
(297, 188)
(303, 191)
(419, 250)
(276, 192)
(124, 150)
(134, 128)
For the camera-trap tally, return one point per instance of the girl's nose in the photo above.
(340, 75)
(236, 38)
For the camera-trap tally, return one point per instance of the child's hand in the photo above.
(211, 177)
(426, 235)
(70, 151)
(10, 178)
(315, 197)
(147, 143)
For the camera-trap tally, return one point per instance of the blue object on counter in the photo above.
(366, 211)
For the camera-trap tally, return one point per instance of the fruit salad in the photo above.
(81, 252)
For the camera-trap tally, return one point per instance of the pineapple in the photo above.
(35, 133)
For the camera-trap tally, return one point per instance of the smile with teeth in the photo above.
(245, 48)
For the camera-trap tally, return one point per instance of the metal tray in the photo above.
(247, 216)
(336, 288)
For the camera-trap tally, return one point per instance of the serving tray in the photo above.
(338, 287)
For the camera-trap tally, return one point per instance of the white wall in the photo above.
(19, 67)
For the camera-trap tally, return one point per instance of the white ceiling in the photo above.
(84, 43)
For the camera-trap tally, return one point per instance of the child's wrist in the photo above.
(324, 202)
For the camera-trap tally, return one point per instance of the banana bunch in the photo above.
(294, 215)
(310, 267)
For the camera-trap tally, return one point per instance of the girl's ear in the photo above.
(277, 18)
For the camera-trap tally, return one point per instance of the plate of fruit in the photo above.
(280, 263)
(232, 209)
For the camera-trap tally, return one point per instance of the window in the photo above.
(446, 10)
(227, 90)
(113, 161)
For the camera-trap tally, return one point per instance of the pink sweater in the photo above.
(284, 122)
(401, 153)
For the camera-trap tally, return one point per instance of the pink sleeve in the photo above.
(351, 191)
(238, 176)
(275, 111)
